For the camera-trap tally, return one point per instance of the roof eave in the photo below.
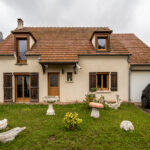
(104, 55)
(65, 63)
(6, 54)
(141, 64)
(107, 31)
(23, 32)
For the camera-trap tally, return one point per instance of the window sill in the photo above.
(21, 64)
(103, 91)
(102, 50)
(69, 81)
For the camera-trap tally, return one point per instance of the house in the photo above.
(139, 65)
(69, 61)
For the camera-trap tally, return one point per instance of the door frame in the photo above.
(15, 81)
(48, 81)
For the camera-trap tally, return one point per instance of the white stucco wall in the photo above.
(93, 40)
(76, 90)
(31, 41)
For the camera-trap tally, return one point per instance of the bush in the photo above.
(71, 120)
(90, 98)
(93, 89)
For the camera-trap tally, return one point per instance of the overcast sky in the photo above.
(122, 16)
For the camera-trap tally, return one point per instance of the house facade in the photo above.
(68, 62)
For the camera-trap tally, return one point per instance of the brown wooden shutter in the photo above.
(114, 81)
(34, 78)
(108, 43)
(8, 96)
(92, 80)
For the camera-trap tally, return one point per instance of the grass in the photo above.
(48, 132)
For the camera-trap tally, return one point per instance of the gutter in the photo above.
(104, 54)
(58, 62)
(140, 64)
(6, 54)
(32, 55)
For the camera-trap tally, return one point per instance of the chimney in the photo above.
(1, 36)
(20, 23)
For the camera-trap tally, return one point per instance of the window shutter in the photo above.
(92, 80)
(114, 81)
(108, 43)
(8, 97)
(34, 79)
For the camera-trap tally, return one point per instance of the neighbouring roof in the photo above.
(139, 50)
(65, 44)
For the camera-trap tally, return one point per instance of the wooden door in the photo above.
(22, 88)
(53, 84)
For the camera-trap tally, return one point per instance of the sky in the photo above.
(122, 16)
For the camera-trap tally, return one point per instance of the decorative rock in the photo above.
(126, 125)
(3, 124)
(95, 109)
(115, 105)
(11, 134)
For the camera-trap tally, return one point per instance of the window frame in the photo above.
(18, 37)
(106, 42)
(108, 78)
(71, 76)
(17, 50)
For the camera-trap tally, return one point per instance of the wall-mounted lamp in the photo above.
(62, 70)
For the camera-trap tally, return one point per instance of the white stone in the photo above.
(50, 110)
(11, 134)
(3, 124)
(95, 113)
(126, 125)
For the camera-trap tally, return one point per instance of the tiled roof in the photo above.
(139, 50)
(65, 44)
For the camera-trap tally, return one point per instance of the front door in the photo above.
(53, 84)
(22, 88)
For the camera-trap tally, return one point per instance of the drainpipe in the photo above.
(129, 82)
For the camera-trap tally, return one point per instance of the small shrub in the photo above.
(71, 120)
(93, 90)
(101, 99)
(26, 109)
(90, 98)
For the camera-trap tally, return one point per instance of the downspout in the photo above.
(129, 81)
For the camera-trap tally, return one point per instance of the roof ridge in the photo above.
(123, 33)
(63, 27)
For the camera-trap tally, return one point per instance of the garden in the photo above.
(49, 132)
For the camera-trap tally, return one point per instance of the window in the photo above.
(101, 43)
(54, 80)
(69, 76)
(102, 81)
(21, 50)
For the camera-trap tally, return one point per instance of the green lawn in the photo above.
(48, 132)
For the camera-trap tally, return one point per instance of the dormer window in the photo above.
(101, 43)
(21, 45)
